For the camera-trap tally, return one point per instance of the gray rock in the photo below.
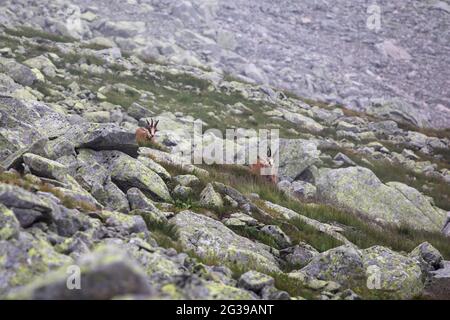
(27, 207)
(275, 232)
(182, 192)
(44, 167)
(255, 281)
(9, 225)
(346, 160)
(438, 286)
(186, 180)
(295, 156)
(272, 293)
(20, 73)
(357, 189)
(299, 255)
(106, 273)
(128, 172)
(210, 198)
(210, 238)
(125, 224)
(343, 265)
(429, 257)
(138, 112)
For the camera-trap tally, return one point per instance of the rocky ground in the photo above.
(360, 212)
(327, 50)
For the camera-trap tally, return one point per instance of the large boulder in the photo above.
(391, 274)
(20, 73)
(28, 207)
(357, 189)
(128, 172)
(25, 258)
(209, 238)
(23, 124)
(294, 156)
(343, 265)
(106, 273)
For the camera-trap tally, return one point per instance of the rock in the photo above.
(182, 192)
(43, 64)
(299, 255)
(429, 257)
(20, 73)
(275, 232)
(24, 126)
(187, 180)
(272, 293)
(300, 189)
(210, 198)
(26, 258)
(139, 201)
(303, 122)
(295, 156)
(99, 136)
(343, 265)
(210, 238)
(394, 275)
(438, 286)
(97, 180)
(357, 189)
(346, 160)
(128, 172)
(27, 207)
(398, 110)
(156, 167)
(138, 112)
(446, 227)
(409, 154)
(98, 116)
(255, 281)
(9, 225)
(106, 273)
(123, 223)
(46, 168)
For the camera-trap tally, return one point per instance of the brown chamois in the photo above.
(264, 163)
(147, 134)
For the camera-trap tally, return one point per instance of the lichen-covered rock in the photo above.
(210, 198)
(343, 264)
(43, 167)
(27, 207)
(187, 180)
(210, 238)
(20, 73)
(106, 273)
(429, 257)
(358, 189)
(128, 172)
(182, 192)
(24, 259)
(255, 281)
(9, 226)
(276, 233)
(24, 123)
(299, 255)
(43, 64)
(393, 274)
(156, 167)
(295, 155)
(123, 223)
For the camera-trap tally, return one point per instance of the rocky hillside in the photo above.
(360, 210)
(387, 57)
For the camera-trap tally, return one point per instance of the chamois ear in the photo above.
(156, 123)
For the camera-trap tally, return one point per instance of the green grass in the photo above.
(253, 233)
(29, 32)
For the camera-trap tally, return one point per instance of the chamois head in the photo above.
(151, 127)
